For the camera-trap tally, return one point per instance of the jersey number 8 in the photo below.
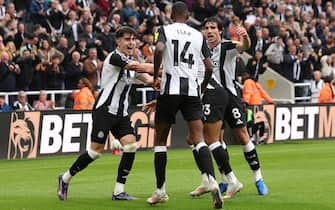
(236, 113)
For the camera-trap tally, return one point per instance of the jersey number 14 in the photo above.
(182, 55)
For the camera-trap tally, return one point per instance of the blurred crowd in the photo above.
(52, 44)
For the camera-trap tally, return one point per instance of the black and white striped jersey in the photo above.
(185, 48)
(224, 60)
(115, 83)
(213, 82)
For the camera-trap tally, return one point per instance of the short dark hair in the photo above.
(179, 9)
(124, 30)
(216, 20)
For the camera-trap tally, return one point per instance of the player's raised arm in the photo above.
(245, 44)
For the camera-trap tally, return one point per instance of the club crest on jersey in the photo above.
(101, 134)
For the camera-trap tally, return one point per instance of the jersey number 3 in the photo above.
(182, 55)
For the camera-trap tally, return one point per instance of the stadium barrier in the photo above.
(37, 134)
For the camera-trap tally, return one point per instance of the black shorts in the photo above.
(103, 122)
(214, 103)
(235, 115)
(168, 106)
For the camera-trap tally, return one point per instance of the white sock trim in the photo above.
(257, 175)
(160, 149)
(130, 147)
(162, 189)
(201, 144)
(231, 177)
(205, 180)
(66, 177)
(93, 154)
(119, 188)
(214, 146)
(248, 147)
(224, 178)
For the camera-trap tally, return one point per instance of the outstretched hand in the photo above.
(240, 30)
(150, 107)
(157, 84)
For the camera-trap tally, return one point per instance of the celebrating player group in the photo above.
(195, 73)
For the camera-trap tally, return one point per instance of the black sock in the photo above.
(205, 160)
(197, 160)
(252, 159)
(125, 166)
(222, 159)
(160, 168)
(261, 128)
(81, 163)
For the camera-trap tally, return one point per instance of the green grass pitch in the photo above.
(299, 175)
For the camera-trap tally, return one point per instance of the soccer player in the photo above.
(110, 113)
(214, 107)
(180, 48)
(224, 55)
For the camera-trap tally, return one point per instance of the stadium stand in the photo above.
(39, 37)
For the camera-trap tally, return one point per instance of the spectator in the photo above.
(253, 93)
(55, 19)
(307, 69)
(8, 73)
(107, 40)
(27, 62)
(72, 29)
(42, 103)
(116, 22)
(12, 50)
(130, 11)
(85, 18)
(21, 104)
(327, 93)
(316, 86)
(257, 65)
(82, 4)
(152, 12)
(2, 10)
(4, 107)
(92, 68)
(55, 74)
(73, 72)
(63, 47)
(89, 36)
(46, 53)
(84, 99)
(20, 35)
(327, 65)
(37, 12)
(291, 69)
(3, 49)
(82, 49)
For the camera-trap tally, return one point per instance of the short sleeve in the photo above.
(160, 35)
(118, 60)
(206, 53)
